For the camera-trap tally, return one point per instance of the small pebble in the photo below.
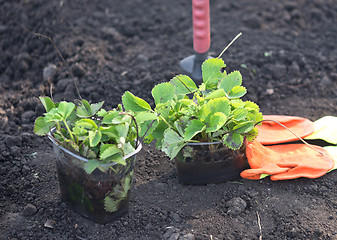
(15, 150)
(253, 22)
(325, 82)
(13, 141)
(188, 236)
(28, 116)
(174, 236)
(170, 231)
(78, 70)
(29, 210)
(175, 217)
(112, 33)
(49, 72)
(49, 223)
(236, 206)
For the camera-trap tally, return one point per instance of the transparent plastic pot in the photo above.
(203, 163)
(87, 193)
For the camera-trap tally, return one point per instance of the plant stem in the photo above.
(134, 119)
(58, 128)
(149, 128)
(83, 142)
(69, 131)
(164, 120)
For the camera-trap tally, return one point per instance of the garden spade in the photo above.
(191, 65)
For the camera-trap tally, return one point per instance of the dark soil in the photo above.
(288, 58)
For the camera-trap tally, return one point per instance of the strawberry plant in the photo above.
(187, 113)
(104, 139)
(99, 135)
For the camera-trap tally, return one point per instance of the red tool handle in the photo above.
(201, 25)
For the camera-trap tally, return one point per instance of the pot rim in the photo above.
(85, 159)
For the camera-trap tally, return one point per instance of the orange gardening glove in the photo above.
(286, 161)
(272, 133)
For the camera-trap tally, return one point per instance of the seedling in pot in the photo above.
(98, 140)
(99, 135)
(187, 113)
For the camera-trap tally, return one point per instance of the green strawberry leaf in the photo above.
(86, 124)
(180, 126)
(216, 94)
(134, 104)
(158, 134)
(47, 103)
(94, 138)
(95, 107)
(255, 116)
(216, 122)
(163, 92)
(108, 150)
(65, 109)
(251, 106)
(122, 132)
(145, 116)
(102, 113)
(128, 148)
(211, 71)
(163, 109)
(239, 114)
(110, 204)
(84, 109)
(41, 127)
(237, 92)
(109, 133)
(243, 127)
(117, 158)
(252, 134)
(183, 84)
(53, 116)
(147, 128)
(237, 103)
(88, 110)
(172, 143)
(233, 140)
(113, 116)
(214, 106)
(228, 82)
(193, 128)
(91, 165)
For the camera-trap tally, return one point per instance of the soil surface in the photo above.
(287, 56)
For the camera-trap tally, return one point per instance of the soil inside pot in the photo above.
(202, 164)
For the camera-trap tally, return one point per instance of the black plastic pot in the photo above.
(100, 196)
(203, 163)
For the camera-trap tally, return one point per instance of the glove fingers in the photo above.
(312, 168)
(270, 169)
(299, 172)
(287, 161)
